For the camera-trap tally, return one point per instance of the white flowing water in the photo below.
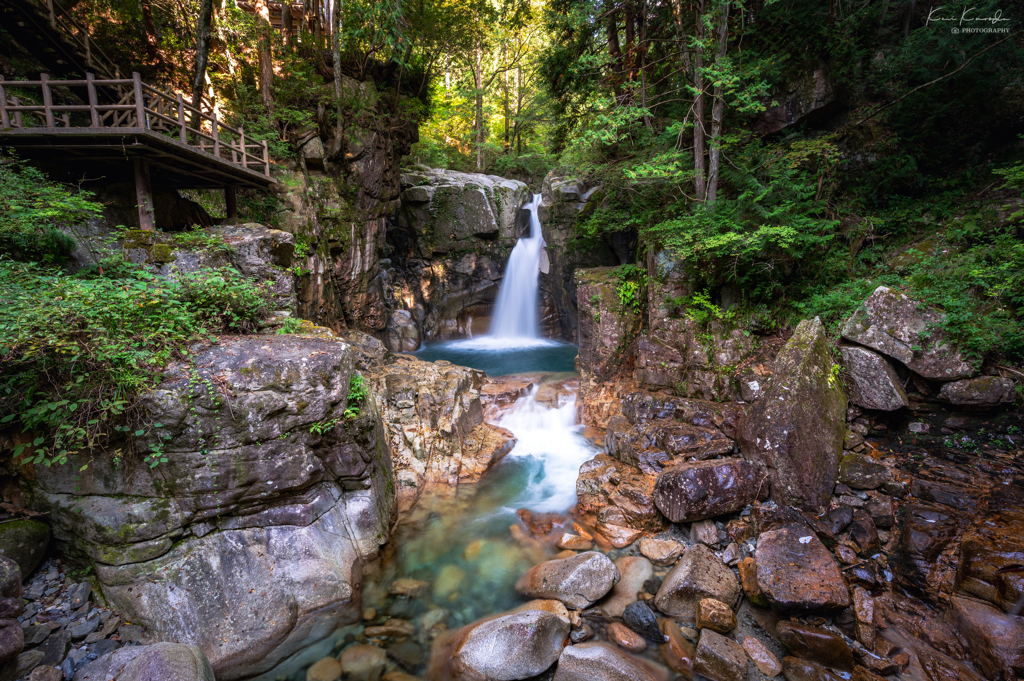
(515, 313)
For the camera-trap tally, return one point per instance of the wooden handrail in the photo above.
(141, 106)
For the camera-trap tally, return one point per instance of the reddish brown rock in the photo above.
(715, 615)
(796, 430)
(604, 483)
(677, 651)
(796, 669)
(574, 542)
(719, 658)
(763, 659)
(994, 543)
(996, 640)
(748, 578)
(864, 611)
(816, 644)
(705, 489)
(624, 637)
(797, 573)
(661, 552)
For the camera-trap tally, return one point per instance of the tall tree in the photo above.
(203, 32)
(146, 7)
(266, 56)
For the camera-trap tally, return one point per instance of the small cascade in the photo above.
(515, 314)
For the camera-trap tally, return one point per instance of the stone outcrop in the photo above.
(705, 489)
(796, 430)
(266, 484)
(606, 326)
(804, 100)
(12, 638)
(873, 382)
(24, 540)
(164, 661)
(897, 326)
(434, 426)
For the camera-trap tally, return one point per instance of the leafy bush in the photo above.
(357, 394)
(75, 352)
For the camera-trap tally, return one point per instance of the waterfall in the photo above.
(515, 313)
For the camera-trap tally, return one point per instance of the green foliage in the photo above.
(199, 240)
(357, 393)
(290, 325)
(321, 427)
(700, 309)
(631, 289)
(32, 211)
(76, 352)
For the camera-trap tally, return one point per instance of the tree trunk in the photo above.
(908, 17)
(630, 42)
(286, 24)
(203, 31)
(150, 26)
(478, 123)
(614, 51)
(504, 80)
(718, 108)
(700, 179)
(336, 53)
(266, 56)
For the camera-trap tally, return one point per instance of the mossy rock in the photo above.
(24, 541)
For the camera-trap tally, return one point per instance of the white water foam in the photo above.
(550, 437)
(515, 313)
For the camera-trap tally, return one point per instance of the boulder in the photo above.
(704, 489)
(363, 662)
(720, 658)
(698, 574)
(995, 639)
(603, 662)
(897, 326)
(796, 573)
(24, 541)
(516, 646)
(796, 431)
(860, 471)
(579, 581)
(983, 391)
(816, 644)
(873, 382)
(621, 492)
(266, 484)
(633, 571)
(12, 637)
(164, 661)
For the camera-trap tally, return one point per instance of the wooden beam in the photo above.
(144, 194)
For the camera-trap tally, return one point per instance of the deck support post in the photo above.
(231, 201)
(144, 194)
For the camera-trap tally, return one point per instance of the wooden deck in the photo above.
(144, 124)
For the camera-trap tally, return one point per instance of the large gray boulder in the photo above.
(579, 581)
(899, 327)
(247, 542)
(873, 382)
(516, 646)
(983, 391)
(163, 661)
(796, 430)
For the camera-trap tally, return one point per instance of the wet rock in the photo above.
(362, 663)
(554, 607)
(719, 658)
(881, 510)
(715, 615)
(698, 574)
(816, 644)
(897, 326)
(392, 628)
(860, 471)
(582, 634)
(763, 659)
(748, 579)
(164, 661)
(797, 573)
(24, 541)
(408, 654)
(640, 618)
(402, 334)
(516, 646)
(989, 550)
(661, 552)
(579, 582)
(626, 638)
(733, 554)
(621, 495)
(862, 530)
(677, 651)
(864, 610)
(795, 669)
(873, 382)
(602, 662)
(327, 669)
(574, 542)
(996, 640)
(925, 532)
(633, 571)
(409, 588)
(984, 391)
(448, 580)
(704, 532)
(796, 430)
(705, 489)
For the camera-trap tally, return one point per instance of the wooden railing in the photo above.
(141, 106)
(79, 35)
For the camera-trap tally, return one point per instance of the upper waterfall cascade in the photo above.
(515, 313)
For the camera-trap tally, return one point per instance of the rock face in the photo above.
(266, 485)
(803, 100)
(698, 574)
(796, 573)
(626, 503)
(606, 326)
(12, 638)
(24, 541)
(449, 241)
(705, 489)
(164, 661)
(796, 431)
(996, 640)
(579, 582)
(894, 325)
(874, 384)
(602, 662)
(516, 646)
(435, 426)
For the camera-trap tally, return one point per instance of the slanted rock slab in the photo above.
(816, 644)
(164, 661)
(796, 573)
(873, 382)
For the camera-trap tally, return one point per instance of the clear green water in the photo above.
(504, 356)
